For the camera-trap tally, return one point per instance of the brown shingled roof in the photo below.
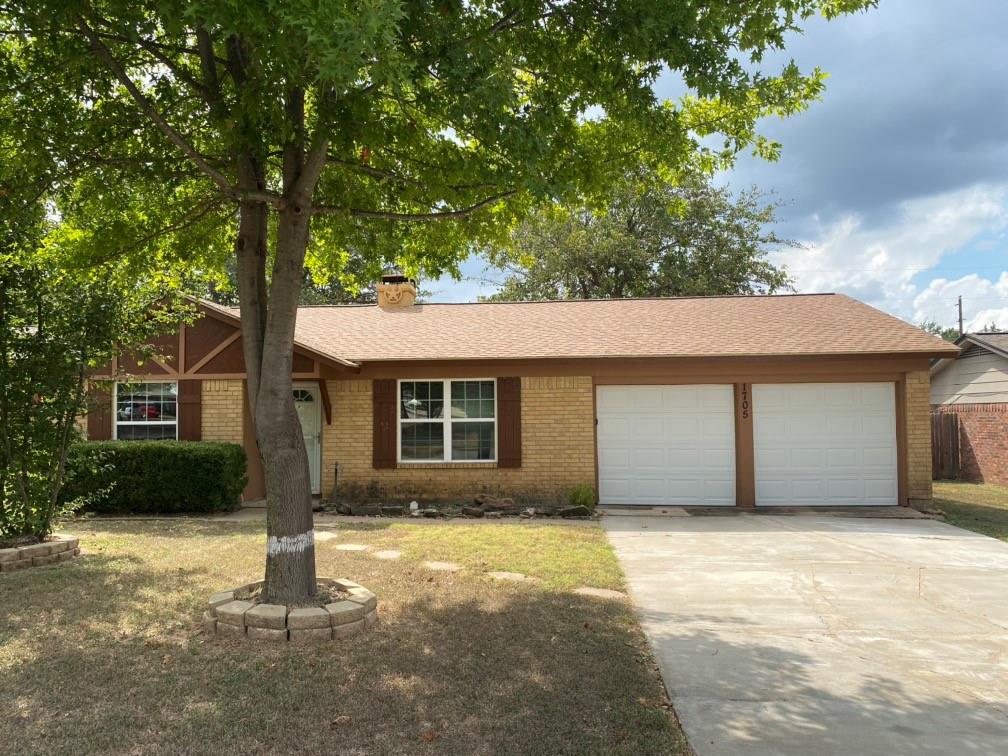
(799, 324)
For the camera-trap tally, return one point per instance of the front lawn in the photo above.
(982, 507)
(105, 653)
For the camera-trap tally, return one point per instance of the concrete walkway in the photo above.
(824, 635)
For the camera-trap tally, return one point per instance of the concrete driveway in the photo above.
(824, 635)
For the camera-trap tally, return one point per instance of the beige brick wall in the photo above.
(558, 448)
(918, 421)
(223, 410)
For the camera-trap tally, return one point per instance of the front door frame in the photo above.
(313, 388)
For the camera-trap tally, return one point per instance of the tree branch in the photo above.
(147, 107)
(381, 174)
(439, 215)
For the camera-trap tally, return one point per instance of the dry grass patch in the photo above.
(104, 654)
(980, 507)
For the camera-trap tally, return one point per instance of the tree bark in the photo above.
(290, 553)
(268, 316)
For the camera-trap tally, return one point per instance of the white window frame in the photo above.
(446, 421)
(115, 410)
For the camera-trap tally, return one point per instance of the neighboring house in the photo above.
(974, 387)
(750, 400)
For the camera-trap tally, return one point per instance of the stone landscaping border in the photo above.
(57, 549)
(231, 618)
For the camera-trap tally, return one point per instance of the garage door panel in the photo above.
(650, 428)
(614, 428)
(678, 398)
(614, 489)
(822, 444)
(882, 489)
(717, 428)
(719, 459)
(688, 459)
(645, 399)
(843, 489)
(843, 425)
(809, 459)
(675, 445)
(614, 457)
(712, 398)
(880, 397)
(721, 492)
(678, 428)
(882, 457)
(878, 426)
(650, 457)
(650, 489)
(768, 459)
(852, 458)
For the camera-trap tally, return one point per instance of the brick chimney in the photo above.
(396, 292)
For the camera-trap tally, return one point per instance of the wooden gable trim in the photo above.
(326, 401)
(192, 369)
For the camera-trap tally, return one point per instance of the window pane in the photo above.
(472, 441)
(421, 399)
(147, 402)
(422, 441)
(146, 432)
(472, 399)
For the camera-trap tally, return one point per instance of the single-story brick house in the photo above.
(738, 401)
(974, 388)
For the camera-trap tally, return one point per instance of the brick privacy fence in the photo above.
(983, 441)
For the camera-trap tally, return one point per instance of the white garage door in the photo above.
(660, 445)
(825, 443)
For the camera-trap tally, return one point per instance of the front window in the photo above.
(146, 411)
(466, 432)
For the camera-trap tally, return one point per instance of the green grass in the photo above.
(981, 507)
(105, 653)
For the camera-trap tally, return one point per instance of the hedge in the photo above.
(155, 477)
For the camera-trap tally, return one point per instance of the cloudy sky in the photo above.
(897, 181)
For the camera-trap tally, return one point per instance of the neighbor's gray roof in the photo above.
(997, 342)
(788, 325)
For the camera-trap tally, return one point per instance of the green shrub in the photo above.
(155, 477)
(582, 496)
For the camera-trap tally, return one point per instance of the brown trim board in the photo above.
(664, 370)
(745, 460)
(902, 462)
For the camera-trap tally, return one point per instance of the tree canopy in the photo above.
(652, 238)
(304, 132)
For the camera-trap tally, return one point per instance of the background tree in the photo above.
(653, 238)
(949, 333)
(57, 326)
(415, 131)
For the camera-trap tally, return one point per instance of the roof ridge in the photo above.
(583, 301)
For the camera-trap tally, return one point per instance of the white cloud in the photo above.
(877, 264)
(984, 301)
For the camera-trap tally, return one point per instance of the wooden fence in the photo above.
(944, 445)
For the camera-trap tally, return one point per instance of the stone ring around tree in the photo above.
(340, 609)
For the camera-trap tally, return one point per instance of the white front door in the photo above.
(666, 445)
(307, 401)
(825, 444)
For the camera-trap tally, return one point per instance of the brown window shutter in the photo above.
(99, 418)
(509, 422)
(383, 455)
(190, 410)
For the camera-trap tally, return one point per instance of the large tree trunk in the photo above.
(268, 337)
(290, 550)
